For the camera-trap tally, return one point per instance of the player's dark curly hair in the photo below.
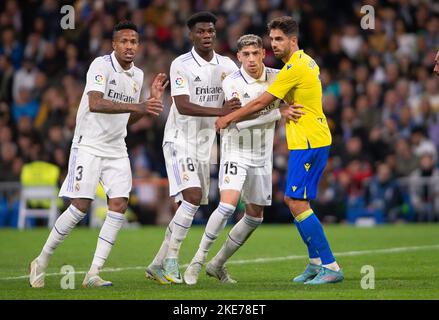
(203, 16)
(122, 25)
(286, 24)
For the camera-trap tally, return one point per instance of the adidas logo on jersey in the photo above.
(246, 95)
(113, 82)
(197, 79)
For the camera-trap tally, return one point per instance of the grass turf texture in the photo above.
(400, 274)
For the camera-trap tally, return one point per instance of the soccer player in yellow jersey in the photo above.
(308, 139)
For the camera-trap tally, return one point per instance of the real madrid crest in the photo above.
(227, 180)
(135, 87)
(223, 76)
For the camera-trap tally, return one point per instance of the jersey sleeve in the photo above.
(179, 80)
(97, 76)
(287, 79)
(230, 90)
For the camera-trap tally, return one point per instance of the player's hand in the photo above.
(221, 123)
(153, 106)
(292, 112)
(159, 85)
(231, 105)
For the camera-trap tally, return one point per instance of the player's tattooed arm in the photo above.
(185, 107)
(98, 104)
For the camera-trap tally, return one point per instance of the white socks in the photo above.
(182, 222)
(237, 236)
(332, 266)
(62, 228)
(217, 222)
(316, 261)
(161, 254)
(107, 237)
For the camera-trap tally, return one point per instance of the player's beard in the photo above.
(281, 54)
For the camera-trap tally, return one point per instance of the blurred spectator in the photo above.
(406, 162)
(424, 188)
(24, 105)
(24, 78)
(383, 196)
(6, 79)
(11, 47)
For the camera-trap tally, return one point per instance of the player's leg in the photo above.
(256, 193)
(182, 222)
(305, 169)
(78, 186)
(231, 180)
(116, 181)
(216, 223)
(184, 175)
(239, 234)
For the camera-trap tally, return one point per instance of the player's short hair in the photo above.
(203, 16)
(286, 24)
(122, 25)
(249, 40)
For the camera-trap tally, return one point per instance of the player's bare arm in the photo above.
(253, 106)
(187, 108)
(158, 86)
(98, 104)
(436, 64)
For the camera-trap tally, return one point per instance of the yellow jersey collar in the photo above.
(296, 56)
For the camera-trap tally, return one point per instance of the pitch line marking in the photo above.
(261, 260)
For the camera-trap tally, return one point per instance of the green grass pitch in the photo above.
(405, 259)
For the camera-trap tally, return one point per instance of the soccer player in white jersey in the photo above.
(98, 154)
(198, 99)
(246, 162)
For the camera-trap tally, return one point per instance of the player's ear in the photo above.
(263, 53)
(238, 55)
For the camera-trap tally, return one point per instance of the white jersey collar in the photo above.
(200, 61)
(118, 68)
(249, 79)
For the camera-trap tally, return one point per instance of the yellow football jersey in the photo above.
(299, 82)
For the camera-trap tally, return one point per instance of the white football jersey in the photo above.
(201, 80)
(104, 134)
(252, 146)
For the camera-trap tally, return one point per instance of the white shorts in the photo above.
(185, 171)
(87, 170)
(254, 183)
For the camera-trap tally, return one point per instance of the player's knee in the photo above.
(119, 205)
(193, 196)
(82, 205)
(254, 211)
(296, 206)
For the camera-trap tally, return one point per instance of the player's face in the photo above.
(436, 64)
(125, 45)
(251, 58)
(281, 44)
(203, 36)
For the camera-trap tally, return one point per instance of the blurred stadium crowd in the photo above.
(380, 95)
